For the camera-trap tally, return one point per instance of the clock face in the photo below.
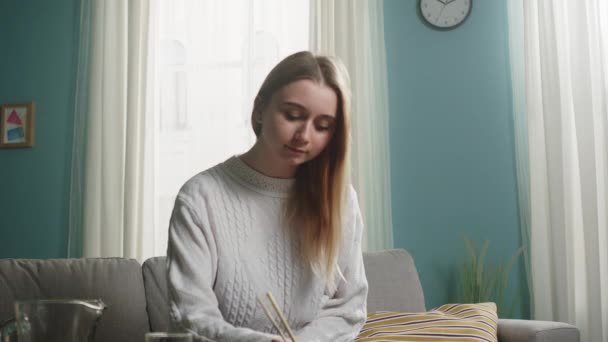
(445, 14)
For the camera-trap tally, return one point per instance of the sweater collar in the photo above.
(255, 180)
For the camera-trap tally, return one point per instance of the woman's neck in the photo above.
(263, 161)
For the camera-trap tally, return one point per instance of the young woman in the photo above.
(279, 218)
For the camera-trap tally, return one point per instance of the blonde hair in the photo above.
(314, 207)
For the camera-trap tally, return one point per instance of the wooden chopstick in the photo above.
(281, 317)
(283, 320)
(274, 323)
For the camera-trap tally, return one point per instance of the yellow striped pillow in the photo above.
(450, 322)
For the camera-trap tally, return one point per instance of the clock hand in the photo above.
(441, 12)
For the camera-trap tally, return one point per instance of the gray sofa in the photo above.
(137, 295)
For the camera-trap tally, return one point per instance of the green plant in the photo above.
(485, 283)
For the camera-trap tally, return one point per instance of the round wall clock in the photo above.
(444, 14)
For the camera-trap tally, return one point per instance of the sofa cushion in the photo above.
(450, 322)
(155, 278)
(117, 282)
(391, 274)
(393, 282)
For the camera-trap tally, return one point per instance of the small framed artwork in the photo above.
(17, 125)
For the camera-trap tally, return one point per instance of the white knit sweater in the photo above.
(228, 245)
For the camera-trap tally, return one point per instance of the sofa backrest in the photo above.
(117, 282)
(155, 280)
(393, 282)
(137, 297)
(393, 285)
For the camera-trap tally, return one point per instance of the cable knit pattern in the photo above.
(228, 245)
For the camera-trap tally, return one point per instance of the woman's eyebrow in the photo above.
(295, 104)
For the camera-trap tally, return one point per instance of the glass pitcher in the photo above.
(53, 320)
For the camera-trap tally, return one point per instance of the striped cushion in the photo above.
(450, 322)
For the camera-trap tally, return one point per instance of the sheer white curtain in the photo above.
(520, 122)
(171, 90)
(168, 92)
(111, 110)
(566, 95)
(354, 31)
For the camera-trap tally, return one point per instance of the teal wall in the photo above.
(452, 150)
(38, 63)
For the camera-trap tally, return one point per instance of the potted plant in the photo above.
(481, 282)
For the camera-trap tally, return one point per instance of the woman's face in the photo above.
(299, 122)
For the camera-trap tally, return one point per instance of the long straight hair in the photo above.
(315, 204)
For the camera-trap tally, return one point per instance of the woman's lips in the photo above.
(295, 150)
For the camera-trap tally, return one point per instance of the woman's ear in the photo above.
(257, 114)
(256, 121)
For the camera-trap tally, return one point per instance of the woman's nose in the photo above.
(303, 133)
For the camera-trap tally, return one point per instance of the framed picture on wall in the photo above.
(17, 125)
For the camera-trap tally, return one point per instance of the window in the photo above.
(209, 59)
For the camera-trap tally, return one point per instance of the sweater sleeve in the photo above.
(343, 315)
(191, 270)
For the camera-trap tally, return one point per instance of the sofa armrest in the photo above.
(516, 330)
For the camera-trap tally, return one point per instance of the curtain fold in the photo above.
(75, 205)
(520, 123)
(107, 172)
(354, 32)
(566, 96)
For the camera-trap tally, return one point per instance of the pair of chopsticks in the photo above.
(281, 317)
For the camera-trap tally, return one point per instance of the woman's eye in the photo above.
(292, 116)
(324, 126)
